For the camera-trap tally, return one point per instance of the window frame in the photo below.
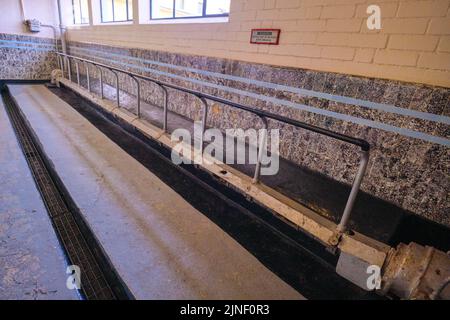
(81, 13)
(174, 17)
(113, 13)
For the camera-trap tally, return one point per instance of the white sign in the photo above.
(265, 36)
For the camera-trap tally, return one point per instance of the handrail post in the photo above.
(138, 95)
(69, 69)
(101, 82)
(166, 97)
(88, 76)
(77, 67)
(166, 108)
(117, 87)
(343, 224)
(61, 66)
(204, 118)
(262, 146)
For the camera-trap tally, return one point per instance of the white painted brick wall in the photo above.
(327, 35)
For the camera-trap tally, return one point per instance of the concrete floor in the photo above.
(32, 265)
(161, 246)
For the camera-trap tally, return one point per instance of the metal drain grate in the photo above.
(94, 284)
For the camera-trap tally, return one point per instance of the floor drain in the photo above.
(98, 279)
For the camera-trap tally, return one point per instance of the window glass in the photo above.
(76, 12)
(107, 10)
(84, 11)
(188, 8)
(130, 9)
(217, 7)
(80, 11)
(162, 9)
(120, 10)
(117, 10)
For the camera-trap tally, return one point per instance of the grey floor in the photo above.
(162, 247)
(32, 265)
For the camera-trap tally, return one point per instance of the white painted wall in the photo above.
(46, 11)
(326, 35)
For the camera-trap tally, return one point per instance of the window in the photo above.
(80, 11)
(116, 10)
(176, 9)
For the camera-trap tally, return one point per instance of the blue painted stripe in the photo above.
(336, 115)
(28, 43)
(26, 48)
(304, 92)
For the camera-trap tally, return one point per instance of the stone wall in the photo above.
(406, 124)
(26, 57)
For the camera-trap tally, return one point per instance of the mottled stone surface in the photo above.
(26, 57)
(409, 172)
(32, 264)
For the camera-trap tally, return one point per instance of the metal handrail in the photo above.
(264, 115)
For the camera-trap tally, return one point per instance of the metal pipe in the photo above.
(204, 118)
(100, 70)
(343, 224)
(88, 78)
(77, 67)
(138, 96)
(117, 87)
(69, 69)
(165, 105)
(61, 28)
(262, 146)
(22, 10)
(61, 66)
(55, 34)
(166, 108)
(364, 145)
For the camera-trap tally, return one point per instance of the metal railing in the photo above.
(203, 97)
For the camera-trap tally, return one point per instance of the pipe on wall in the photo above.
(61, 28)
(22, 10)
(55, 33)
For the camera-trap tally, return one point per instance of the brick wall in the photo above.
(326, 35)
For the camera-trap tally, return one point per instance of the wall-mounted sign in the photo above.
(265, 36)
